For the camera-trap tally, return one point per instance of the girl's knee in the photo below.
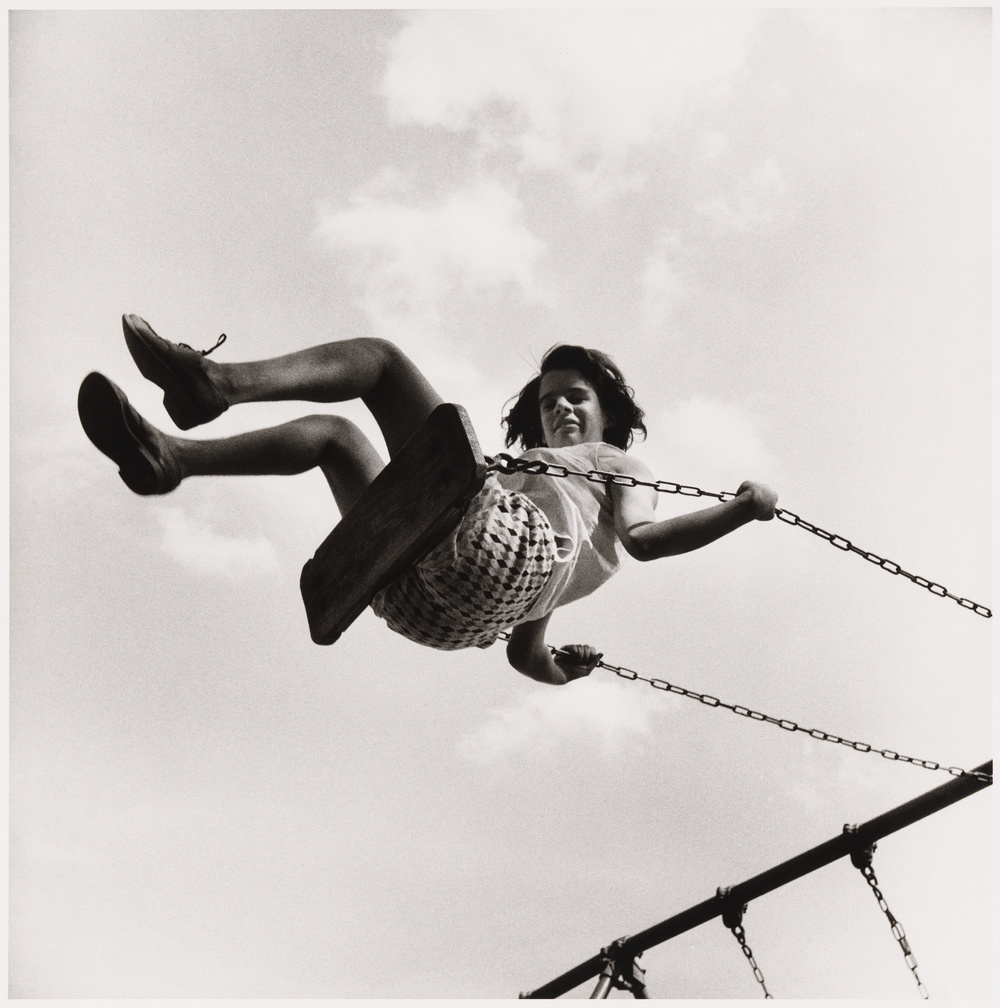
(398, 395)
(389, 357)
(341, 442)
(333, 429)
(399, 383)
(347, 458)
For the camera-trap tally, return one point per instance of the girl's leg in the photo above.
(332, 443)
(374, 370)
(153, 462)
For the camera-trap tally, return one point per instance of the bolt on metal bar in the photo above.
(788, 871)
(619, 973)
(732, 918)
(861, 858)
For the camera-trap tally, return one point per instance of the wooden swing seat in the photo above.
(411, 505)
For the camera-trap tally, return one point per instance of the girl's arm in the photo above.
(647, 539)
(530, 655)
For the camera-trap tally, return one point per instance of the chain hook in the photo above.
(732, 912)
(732, 916)
(861, 856)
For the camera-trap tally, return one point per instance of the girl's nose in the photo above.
(562, 407)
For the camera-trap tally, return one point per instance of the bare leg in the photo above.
(373, 370)
(332, 443)
(153, 462)
(196, 390)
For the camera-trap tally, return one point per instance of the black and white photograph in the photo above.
(500, 504)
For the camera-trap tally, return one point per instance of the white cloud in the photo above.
(753, 202)
(56, 458)
(196, 546)
(712, 145)
(870, 39)
(808, 796)
(546, 717)
(411, 258)
(708, 436)
(662, 286)
(572, 91)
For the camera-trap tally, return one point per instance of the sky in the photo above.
(777, 222)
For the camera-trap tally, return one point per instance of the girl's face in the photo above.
(571, 412)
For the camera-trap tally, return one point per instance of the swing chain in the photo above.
(732, 917)
(861, 858)
(887, 565)
(506, 464)
(789, 726)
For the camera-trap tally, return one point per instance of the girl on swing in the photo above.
(527, 543)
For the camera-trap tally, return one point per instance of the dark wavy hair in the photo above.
(524, 421)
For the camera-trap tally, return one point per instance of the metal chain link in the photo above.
(758, 976)
(785, 723)
(732, 918)
(861, 858)
(507, 464)
(897, 929)
(886, 565)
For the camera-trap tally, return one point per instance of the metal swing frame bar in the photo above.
(826, 853)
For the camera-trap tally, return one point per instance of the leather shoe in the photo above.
(135, 446)
(189, 395)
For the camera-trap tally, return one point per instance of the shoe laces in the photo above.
(205, 353)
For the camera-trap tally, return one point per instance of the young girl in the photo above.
(527, 544)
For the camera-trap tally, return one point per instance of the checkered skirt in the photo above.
(482, 579)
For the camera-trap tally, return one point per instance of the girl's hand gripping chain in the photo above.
(530, 655)
(762, 498)
(577, 660)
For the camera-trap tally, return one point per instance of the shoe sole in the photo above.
(181, 407)
(105, 415)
